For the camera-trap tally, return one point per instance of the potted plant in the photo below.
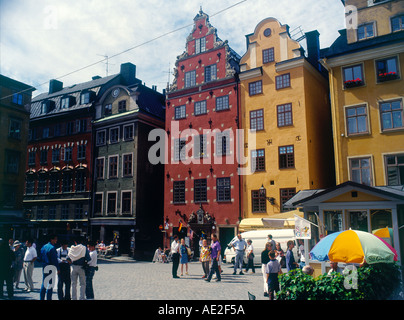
(386, 76)
(353, 83)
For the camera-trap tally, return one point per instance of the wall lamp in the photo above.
(263, 194)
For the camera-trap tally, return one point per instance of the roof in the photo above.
(396, 192)
(73, 91)
(6, 81)
(341, 46)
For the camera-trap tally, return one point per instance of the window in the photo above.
(397, 23)
(179, 149)
(39, 212)
(111, 202)
(365, 31)
(85, 98)
(70, 128)
(65, 212)
(98, 203)
(282, 81)
(391, 114)
(258, 160)
(200, 45)
(56, 130)
(356, 119)
(44, 107)
(14, 130)
(268, 55)
(223, 189)
(53, 184)
(41, 185)
(257, 120)
(17, 98)
(333, 221)
(107, 110)
(394, 169)
(210, 73)
(258, 201)
(200, 146)
(99, 168)
(255, 87)
(180, 112)
(65, 103)
(52, 213)
(128, 132)
(81, 152)
(179, 192)
(190, 78)
(68, 154)
(200, 107)
(284, 115)
(114, 135)
(81, 125)
(286, 157)
(200, 190)
(80, 181)
(31, 158)
(126, 206)
(100, 141)
(45, 132)
(55, 155)
(127, 165)
(222, 103)
(44, 157)
(67, 182)
(122, 106)
(360, 169)
(358, 220)
(113, 167)
(223, 143)
(78, 211)
(29, 186)
(387, 69)
(285, 195)
(12, 161)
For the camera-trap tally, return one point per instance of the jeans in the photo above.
(239, 260)
(48, 290)
(205, 267)
(214, 268)
(250, 265)
(64, 279)
(78, 274)
(89, 282)
(176, 262)
(6, 275)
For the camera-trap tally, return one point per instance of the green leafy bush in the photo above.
(371, 282)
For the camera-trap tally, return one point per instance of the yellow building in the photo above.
(284, 105)
(365, 67)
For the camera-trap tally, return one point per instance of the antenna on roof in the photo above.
(297, 34)
(106, 63)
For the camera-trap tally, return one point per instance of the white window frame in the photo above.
(123, 166)
(109, 138)
(133, 132)
(116, 202)
(102, 202)
(131, 201)
(117, 165)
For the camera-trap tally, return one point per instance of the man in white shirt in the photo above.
(239, 245)
(90, 271)
(29, 259)
(175, 248)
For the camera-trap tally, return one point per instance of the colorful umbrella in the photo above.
(385, 233)
(353, 246)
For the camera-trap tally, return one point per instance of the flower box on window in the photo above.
(353, 83)
(386, 76)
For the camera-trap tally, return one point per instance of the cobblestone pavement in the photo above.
(139, 280)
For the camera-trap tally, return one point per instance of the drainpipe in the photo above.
(336, 139)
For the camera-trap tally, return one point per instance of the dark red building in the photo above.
(201, 180)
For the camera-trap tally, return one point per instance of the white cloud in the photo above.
(45, 39)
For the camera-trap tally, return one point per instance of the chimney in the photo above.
(128, 73)
(55, 86)
(313, 48)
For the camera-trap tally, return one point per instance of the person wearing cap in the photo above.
(18, 262)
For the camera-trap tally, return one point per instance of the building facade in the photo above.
(127, 188)
(15, 98)
(365, 66)
(201, 177)
(286, 118)
(59, 156)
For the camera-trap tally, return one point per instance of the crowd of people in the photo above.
(72, 266)
(273, 259)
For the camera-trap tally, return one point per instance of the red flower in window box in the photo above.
(385, 76)
(353, 83)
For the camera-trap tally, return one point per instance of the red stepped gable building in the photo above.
(201, 180)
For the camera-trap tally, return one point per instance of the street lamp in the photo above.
(263, 193)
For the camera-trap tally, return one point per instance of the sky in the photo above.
(69, 40)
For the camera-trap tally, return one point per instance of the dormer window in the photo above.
(86, 97)
(200, 45)
(47, 106)
(66, 102)
(366, 31)
(397, 23)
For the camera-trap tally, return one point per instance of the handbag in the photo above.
(189, 251)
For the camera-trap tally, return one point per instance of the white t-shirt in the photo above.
(93, 261)
(175, 246)
(30, 254)
(301, 249)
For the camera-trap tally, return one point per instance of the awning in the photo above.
(284, 220)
